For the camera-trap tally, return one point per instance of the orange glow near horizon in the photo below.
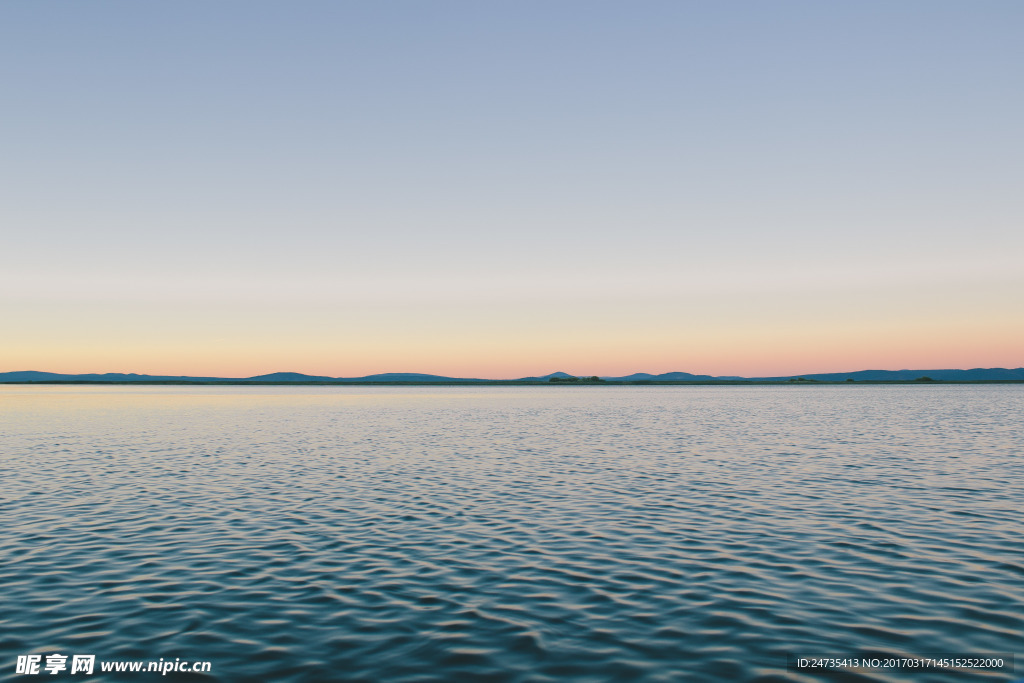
(748, 352)
(782, 328)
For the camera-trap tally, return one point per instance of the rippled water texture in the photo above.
(511, 533)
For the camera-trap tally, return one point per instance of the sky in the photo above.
(504, 189)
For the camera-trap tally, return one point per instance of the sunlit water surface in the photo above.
(511, 533)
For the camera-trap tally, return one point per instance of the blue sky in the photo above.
(496, 188)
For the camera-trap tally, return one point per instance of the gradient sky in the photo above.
(497, 189)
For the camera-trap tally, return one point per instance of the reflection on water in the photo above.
(511, 533)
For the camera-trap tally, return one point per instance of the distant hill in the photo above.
(948, 375)
(667, 377)
(29, 376)
(973, 375)
(288, 377)
(34, 376)
(545, 378)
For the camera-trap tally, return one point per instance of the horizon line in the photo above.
(428, 376)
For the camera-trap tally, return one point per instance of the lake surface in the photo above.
(511, 533)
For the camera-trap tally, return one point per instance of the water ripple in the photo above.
(511, 534)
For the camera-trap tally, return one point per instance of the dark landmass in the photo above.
(976, 375)
(546, 378)
(669, 377)
(119, 377)
(286, 377)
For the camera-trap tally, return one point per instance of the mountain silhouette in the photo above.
(545, 378)
(667, 377)
(942, 375)
(288, 377)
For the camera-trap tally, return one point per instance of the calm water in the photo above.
(510, 533)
